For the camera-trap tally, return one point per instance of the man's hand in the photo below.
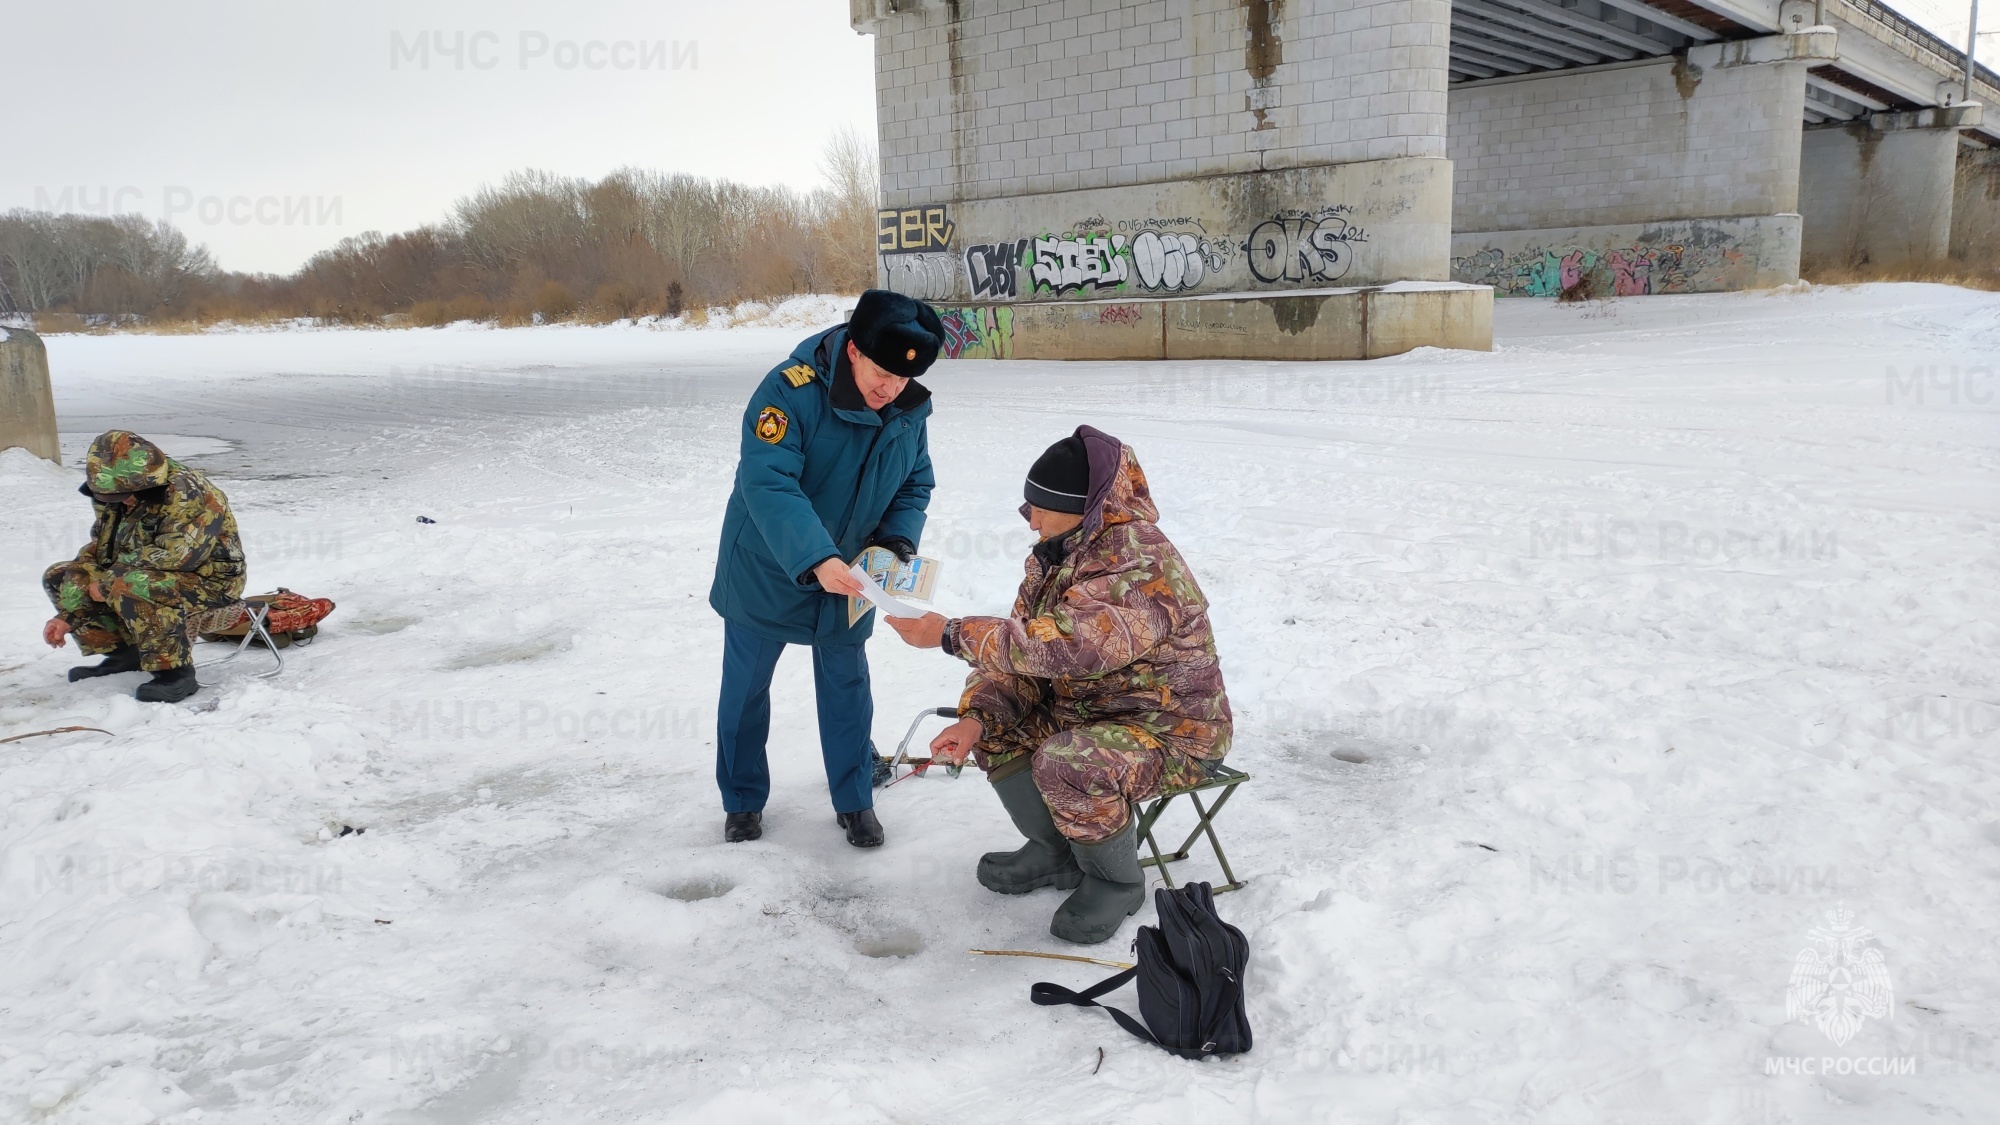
(834, 578)
(55, 632)
(921, 632)
(954, 744)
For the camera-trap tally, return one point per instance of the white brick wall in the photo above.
(1057, 95)
(1622, 145)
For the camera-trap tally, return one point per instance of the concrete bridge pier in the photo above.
(1657, 175)
(1975, 208)
(1878, 191)
(27, 406)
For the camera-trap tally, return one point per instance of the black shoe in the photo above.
(124, 658)
(170, 686)
(740, 826)
(863, 830)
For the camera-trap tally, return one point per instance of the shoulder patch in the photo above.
(799, 374)
(771, 425)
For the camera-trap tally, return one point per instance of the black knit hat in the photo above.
(900, 334)
(1060, 479)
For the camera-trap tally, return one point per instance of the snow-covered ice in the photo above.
(1579, 681)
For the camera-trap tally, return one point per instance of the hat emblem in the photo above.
(911, 354)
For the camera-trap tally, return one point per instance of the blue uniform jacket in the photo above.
(815, 480)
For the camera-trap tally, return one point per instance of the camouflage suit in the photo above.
(171, 557)
(1104, 680)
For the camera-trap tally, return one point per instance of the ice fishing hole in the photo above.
(896, 943)
(696, 890)
(382, 626)
(1353, 757)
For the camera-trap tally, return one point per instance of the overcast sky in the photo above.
(153, 107)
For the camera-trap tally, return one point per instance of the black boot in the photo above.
(1045, 860)
(740, 826)
(1114, 888)
(124, 658)
(170, 686)
(863, 830)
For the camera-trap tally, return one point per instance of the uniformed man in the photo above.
(162, 552)
(834, 457)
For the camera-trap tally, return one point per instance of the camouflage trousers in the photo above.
(1090, 773)
(152, 610)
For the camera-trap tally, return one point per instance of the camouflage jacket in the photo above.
(187, 528)
(1116, 630)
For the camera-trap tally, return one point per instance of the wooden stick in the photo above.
(58, 730)
(1052, 957)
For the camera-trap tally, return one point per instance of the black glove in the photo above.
(902, 548)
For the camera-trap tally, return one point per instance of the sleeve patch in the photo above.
(771, 425)
(799, 374)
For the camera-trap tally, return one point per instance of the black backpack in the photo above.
(1190, 975)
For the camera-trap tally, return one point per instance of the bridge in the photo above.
(1320, 177)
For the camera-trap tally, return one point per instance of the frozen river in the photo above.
(1580, 682)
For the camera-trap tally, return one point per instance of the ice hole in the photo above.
(896, 943)
(696, 890)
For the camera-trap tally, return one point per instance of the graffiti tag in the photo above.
(927, 277)
(913, 230)
(1176, 261)
(1066, 265)
(993, 269)
(1629, 271)
(1299, 247)
(978, 333)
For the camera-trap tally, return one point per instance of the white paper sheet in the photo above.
(894, 607)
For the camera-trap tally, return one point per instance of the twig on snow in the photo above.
(57, 730)
(1052, 957)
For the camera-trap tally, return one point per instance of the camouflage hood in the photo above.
(1118, 491)
(120, 461)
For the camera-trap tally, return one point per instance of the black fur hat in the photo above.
(900, 334)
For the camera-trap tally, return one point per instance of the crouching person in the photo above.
(1100, 690)
(162, 552)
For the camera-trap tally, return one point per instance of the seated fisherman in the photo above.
(1101, 689)
(163, 551)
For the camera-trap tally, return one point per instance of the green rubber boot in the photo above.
(1045, 860)
(1114, 888)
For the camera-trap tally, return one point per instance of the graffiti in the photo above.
(927, 277)
(1630, 271)
(1067, 264)
(1118, 314)
(913, 230)
(978, 333)
(993, 269)
(1301, 245)
(1176, 261)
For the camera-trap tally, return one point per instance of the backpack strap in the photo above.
(1047, 995)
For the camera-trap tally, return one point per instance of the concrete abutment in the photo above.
(1095, 180)
(27, 405)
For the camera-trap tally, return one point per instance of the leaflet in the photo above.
(894, 607)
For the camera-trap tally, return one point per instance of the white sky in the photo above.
(153, 106)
